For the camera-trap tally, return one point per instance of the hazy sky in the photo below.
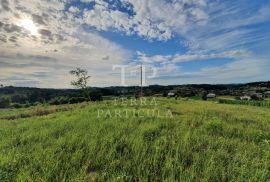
(187, 41)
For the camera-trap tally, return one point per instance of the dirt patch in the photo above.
(91, 176)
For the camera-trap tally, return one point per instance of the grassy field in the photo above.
(263, 103)
(203, 141)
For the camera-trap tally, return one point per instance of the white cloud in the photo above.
(230, 26)
(244, 66)
(152, 19)
(87, 1)
(177, 58)
(61, 45)
(218, 30)
(239, 71)
(74, 9)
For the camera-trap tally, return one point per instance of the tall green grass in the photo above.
(204, 141)
(246, 102)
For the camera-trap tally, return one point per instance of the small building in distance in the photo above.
(211, 95)
(172, 93)
(252, 95)
(267, 94)
(257, 96)
(245, 97)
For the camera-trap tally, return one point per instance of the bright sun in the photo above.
(29, 25)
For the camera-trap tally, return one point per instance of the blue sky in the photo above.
(185, 41)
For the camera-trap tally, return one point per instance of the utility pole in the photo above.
(141, 82)
(142, 69)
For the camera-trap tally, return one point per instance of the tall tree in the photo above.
(81, 81)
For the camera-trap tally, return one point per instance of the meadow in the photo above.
(262, 103)
(203, 141)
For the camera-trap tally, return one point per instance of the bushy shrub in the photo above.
(4, 102)
(16, 105)
(59, 101)
(36, 103)
(164, 94)
(96, 96)
(27, 104)
(204, 96)
(74, 100)
(54, 101)
(63, 100)
(21, 99)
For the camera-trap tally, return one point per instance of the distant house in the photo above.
(172, 93)
(211, 95)
(267, 94)
(252, 95)
(245, 97)
(257, 96)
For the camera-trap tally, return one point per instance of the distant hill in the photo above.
(25, 96)
(116, 90)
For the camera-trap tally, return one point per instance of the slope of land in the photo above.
(202, 141)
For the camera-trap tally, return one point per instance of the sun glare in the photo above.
(29, 25)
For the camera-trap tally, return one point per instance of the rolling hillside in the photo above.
(201, 141)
